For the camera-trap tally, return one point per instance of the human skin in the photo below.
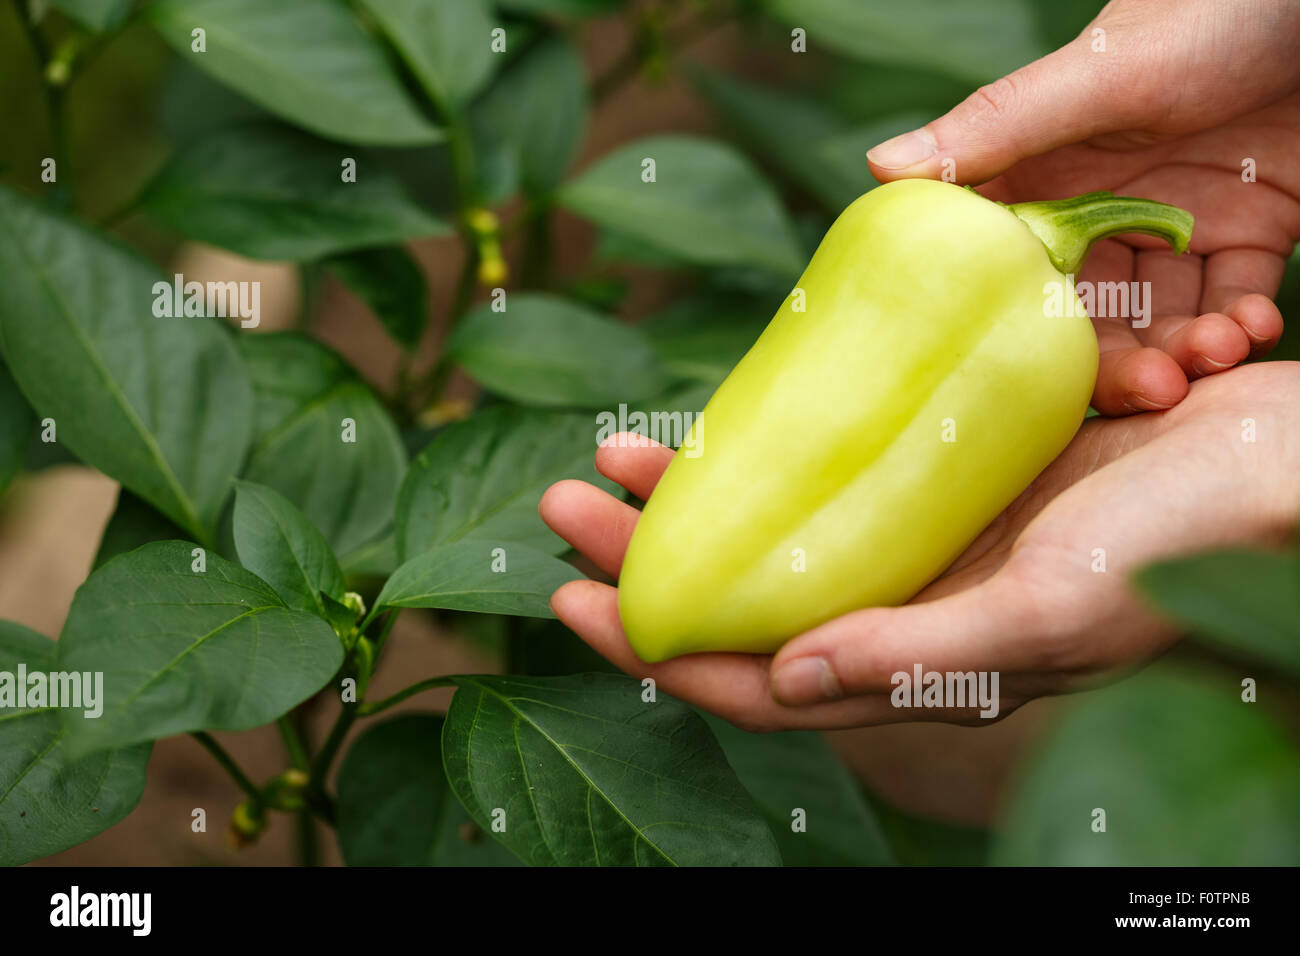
(1183, 93)
(1023, 599)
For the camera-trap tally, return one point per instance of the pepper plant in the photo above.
(278, 513)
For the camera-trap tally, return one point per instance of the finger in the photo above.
(995, 626)
(1233, 273)
(1207, 344)
(1057, 100)
(592, 520)
(1167, 294)
(733, 686)
(1133, 380)
(634, 461)
(1260, 319)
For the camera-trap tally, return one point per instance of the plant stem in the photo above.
(293, 742)
(368, 710)
(320, 766)
(228, 763)
(1069, 227)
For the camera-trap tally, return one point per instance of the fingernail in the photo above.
(904, 151)
(1205, 365)
(806, 680)
(1140, 403)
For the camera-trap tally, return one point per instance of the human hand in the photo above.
(1023, 600)
(1182, 94)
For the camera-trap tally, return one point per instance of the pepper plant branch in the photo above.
(293, 742)
(228, 764)
(372, 708)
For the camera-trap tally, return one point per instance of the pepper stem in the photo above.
(1069, 227)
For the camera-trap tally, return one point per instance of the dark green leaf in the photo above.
(843, 155)
(866, 92)
(17, 421)
(530, 122)
(277, 543)
(160, 404)
(97, 15)
(395, 807)
(542, 648)
(304, 393)
(790, 772)
(447, 45)
(133, 522)
(494, 577)
(1187, 773)
(1246, 601)
(971, 40)
(270, 192)
(307, 61)
(544, 350)
(391, 283)
(49, 801)
(703, 338)
(182, 650)
(582, 771)
(577, 8)
(921, 841)
(784, 127)
(707, 204)
(483, 478)
(375, 558)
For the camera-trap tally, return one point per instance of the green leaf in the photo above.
(544, 350)
(395, 807)
(529, 124)
(971, 40)
(783, 127)
(447, 45)
(184, 650)
(391, 283)
(270, 192)
(922, 841)
(797, 771)
(48, 800)
(587, 773)
(483, 478)
(307, 61)
(843, 155)
(17, 420)
(866, 92)
(304, 393)
(1245, 601)
(546, 648)
(703, 338)
(134, 522)
(277, 543)
(1186, 772)
(97, 15)
(160, 404)
(375, 558)
(577, 8)
(493, 577)
(707, 204)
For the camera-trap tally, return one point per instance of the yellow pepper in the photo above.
(915, 381)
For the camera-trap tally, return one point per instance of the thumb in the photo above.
(1063, 98)
(993, 626)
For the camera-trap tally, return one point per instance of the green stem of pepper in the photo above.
(1069, 227)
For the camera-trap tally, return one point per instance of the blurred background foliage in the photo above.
(160, 147)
